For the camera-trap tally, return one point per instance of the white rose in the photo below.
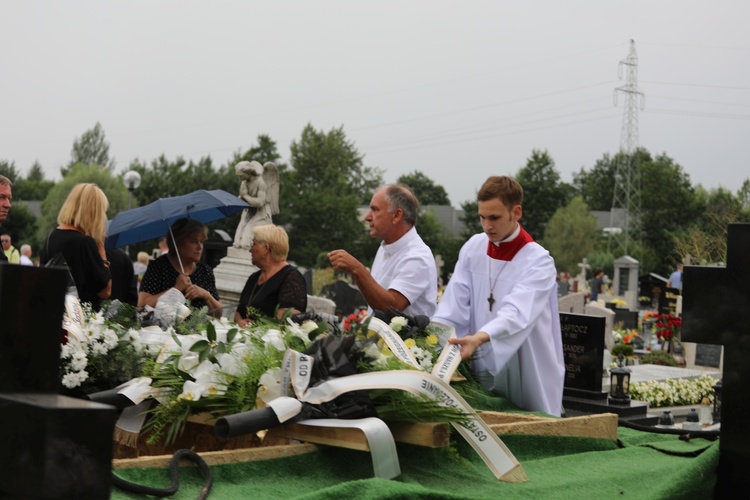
(398, 323)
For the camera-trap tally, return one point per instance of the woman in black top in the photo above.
(79, 237)
(180, 268)
(277, 286)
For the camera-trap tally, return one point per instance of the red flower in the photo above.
(667, 326)
(354, 319)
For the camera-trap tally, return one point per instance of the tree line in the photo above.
(327, 181)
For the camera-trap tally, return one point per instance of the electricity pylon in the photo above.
(626, 200)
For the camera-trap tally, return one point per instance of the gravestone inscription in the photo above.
(668, 301)
(583, 350)
(708, 355)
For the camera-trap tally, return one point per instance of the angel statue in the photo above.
(259, 186)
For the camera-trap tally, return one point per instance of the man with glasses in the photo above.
(11, 252)
(5, 197)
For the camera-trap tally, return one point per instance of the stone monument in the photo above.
(715, 311)
(259, 186)
(53, 446)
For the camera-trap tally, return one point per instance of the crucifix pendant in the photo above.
(491, 301)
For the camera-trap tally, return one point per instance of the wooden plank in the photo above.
(428, 434)
(343, 437)
(219, 457)
(602, 425)
(432, 435)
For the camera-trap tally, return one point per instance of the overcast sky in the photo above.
(459, 90)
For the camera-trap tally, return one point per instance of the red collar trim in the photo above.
(508, 249)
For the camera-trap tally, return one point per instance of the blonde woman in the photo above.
(278, 285)
(79, 237)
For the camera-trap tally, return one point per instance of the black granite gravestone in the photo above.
(31, 328)
(52, 446)
(652, 286)
(583, 351)
(625, 318)
(347, 297)
(708, 355)
(308, 275)
(716, 310)
(668, 301)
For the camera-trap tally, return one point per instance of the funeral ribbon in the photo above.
(446, 364)
(485, 442)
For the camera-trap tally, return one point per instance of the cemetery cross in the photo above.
(716, 310)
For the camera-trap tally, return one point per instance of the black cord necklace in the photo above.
(491, 282)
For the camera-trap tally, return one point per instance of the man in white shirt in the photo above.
(404, 275)
(26, 255)
(502, 301)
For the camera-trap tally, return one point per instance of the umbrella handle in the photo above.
(176, 251)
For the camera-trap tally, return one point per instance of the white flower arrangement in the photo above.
(91, 345)
(673, 392)
(203, 364)
(227, 369)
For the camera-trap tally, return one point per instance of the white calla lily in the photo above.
(269, 385)
(274, 338)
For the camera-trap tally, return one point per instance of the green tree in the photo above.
(470, 219)
(668, 205)
(9, 170)
(326, 184)
(571, 234)
(543, 193)
(425, 188)
(434, 235)
(91, 148)
(34, 186)
(743, 194)
(265, 151)
(597, 185)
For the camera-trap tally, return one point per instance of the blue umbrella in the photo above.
(155, 219)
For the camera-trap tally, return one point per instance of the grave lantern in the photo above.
(717, 402)
(619, 383)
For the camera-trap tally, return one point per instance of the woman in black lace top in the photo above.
(277, 286)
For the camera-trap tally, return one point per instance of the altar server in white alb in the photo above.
(502, 300)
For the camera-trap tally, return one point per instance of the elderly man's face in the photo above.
(381, 221)
(5, 197)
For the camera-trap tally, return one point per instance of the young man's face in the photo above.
(5, 241)
(498, 221)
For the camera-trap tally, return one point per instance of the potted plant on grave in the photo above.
(624, 344)
(626, 350)
(658, 358)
